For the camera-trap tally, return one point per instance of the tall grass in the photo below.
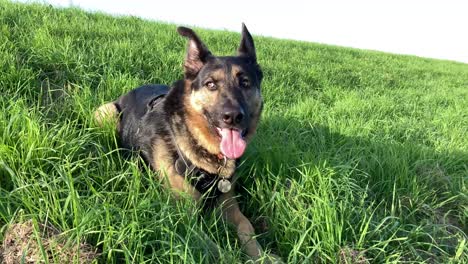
(361, 156)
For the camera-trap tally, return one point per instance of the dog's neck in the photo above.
(192, 136)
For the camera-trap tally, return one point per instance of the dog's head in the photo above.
(225, 92)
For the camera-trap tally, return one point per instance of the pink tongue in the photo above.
(232, 144)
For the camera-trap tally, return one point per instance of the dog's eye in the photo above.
(244, 83)
(211, 85)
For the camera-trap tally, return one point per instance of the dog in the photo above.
(194, 132)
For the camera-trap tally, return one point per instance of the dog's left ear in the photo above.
(197, 53)
(247, 47)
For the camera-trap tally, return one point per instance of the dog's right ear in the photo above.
(197, 53)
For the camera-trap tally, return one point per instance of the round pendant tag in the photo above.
(180, 167)
(224, 186)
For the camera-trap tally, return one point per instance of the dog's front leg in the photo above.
(164, 164)
(245, 230)
(179, 185)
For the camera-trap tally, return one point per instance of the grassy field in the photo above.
(361, 156)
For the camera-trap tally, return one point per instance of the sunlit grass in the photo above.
(360, 155)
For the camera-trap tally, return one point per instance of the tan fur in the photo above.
(204, 98)
(200, 129)
(213, 165)
(218, 75)
(106, 113)
(235, 70)
(164, 164)
(196, 122)
(245, 230)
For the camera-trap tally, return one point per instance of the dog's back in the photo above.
(134, 108)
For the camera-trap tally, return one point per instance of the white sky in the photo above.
(435, 29)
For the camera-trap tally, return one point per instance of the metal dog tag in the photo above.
(180, 167)
(224, 186)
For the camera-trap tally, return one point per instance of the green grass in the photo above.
(358, 152)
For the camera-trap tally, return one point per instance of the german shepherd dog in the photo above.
(193, 133)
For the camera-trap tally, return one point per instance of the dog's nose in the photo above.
(233, 117)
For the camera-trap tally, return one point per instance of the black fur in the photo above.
(142, 117)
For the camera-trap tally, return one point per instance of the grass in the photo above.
(361, 156)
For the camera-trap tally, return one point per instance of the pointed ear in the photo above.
(247, 47)
(197, 53)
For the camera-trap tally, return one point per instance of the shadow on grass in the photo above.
(407, 181)
(410, 168)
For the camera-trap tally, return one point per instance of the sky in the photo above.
(434, 29)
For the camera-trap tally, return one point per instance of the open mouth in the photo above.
(232, 143)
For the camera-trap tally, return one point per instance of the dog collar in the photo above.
(201, 179)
